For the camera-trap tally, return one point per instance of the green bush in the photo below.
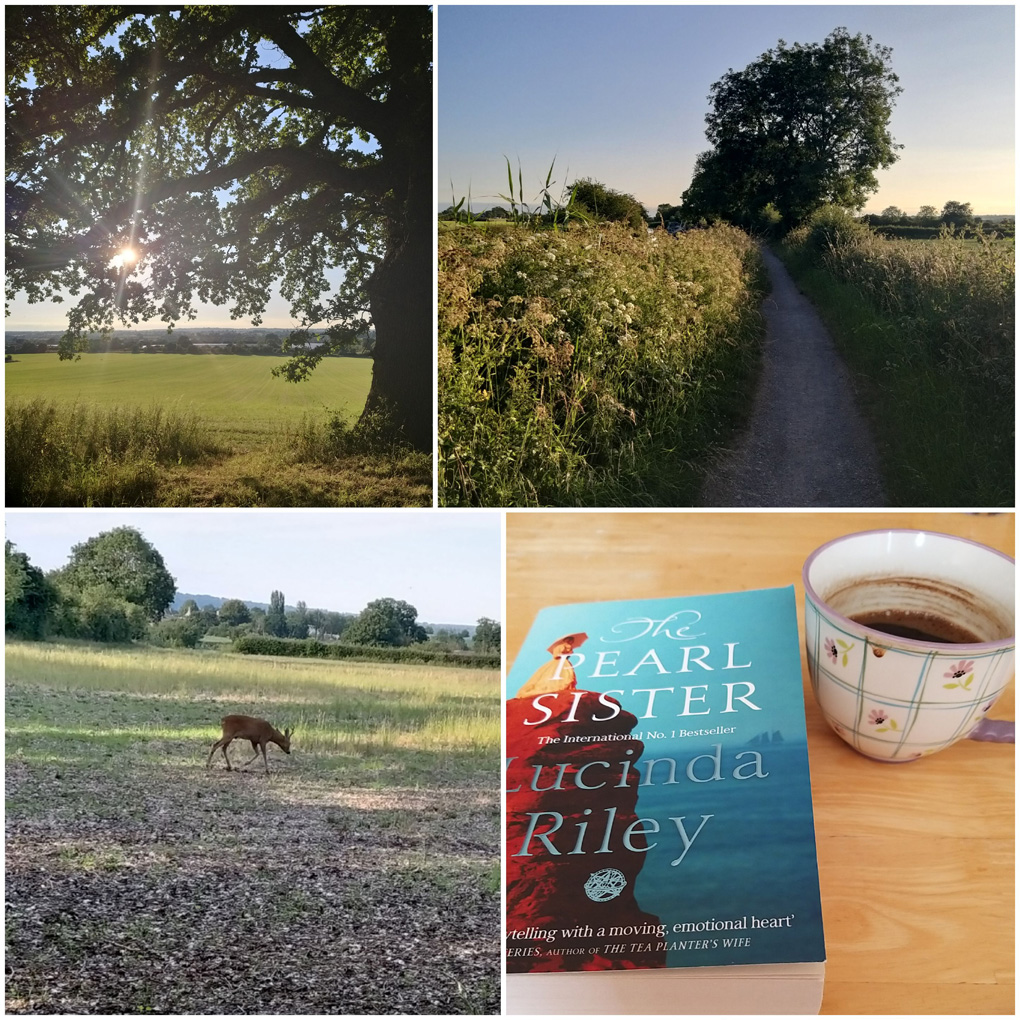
(829, 229)
(597, 202)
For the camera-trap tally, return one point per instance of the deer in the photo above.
(258, 731)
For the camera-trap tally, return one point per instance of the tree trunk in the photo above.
(401, 297)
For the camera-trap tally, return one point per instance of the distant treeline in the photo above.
(270, 344)
(929, 222)
(312, 649)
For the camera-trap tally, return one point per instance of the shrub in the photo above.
(598, 202)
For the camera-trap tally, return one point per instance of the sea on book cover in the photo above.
(658, 824)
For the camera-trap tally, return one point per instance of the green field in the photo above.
(360, 877)
(184, 430)
(234, 394)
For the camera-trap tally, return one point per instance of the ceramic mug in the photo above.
(910, 638)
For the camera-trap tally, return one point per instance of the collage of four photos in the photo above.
(510, 509)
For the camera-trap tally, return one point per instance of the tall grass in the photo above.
(591, 366)
(87, 454)
(354, 707)
(84, 454)
(928, 326)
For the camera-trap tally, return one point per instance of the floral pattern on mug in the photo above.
(834, 653)
(956, 671)
(877, 717)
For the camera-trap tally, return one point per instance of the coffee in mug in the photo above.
(909, 638)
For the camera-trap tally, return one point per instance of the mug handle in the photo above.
(999, 731)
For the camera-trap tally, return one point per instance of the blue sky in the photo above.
(445, 563)
(619, 93)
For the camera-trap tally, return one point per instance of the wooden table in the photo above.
(915, 862)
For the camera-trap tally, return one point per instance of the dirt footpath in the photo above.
(806, 444)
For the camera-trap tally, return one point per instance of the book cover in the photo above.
(658, 795)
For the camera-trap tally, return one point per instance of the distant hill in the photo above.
(212, 600)
(217, 600)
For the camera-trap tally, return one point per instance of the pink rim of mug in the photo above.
(878, 635)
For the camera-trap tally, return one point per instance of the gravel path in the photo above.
(806, 444)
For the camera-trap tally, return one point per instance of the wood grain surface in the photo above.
(916, 862)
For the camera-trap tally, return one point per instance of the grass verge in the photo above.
(927, 332)
(81, 454)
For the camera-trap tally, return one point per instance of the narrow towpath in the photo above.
(806, 444)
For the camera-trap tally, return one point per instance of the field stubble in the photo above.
(361, 877)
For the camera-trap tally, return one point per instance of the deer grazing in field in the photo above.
(258, 731)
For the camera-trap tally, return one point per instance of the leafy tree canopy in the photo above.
(386, 622)
(801, 127)
(234, 612)
(29, 598)
(122, 565)
(156, 155)
(276, 615)
(959, 214)
(488, 636)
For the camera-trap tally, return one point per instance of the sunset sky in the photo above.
(619, 93)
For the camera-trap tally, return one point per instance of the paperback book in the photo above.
(660, 850)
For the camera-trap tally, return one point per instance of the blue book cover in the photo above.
(657, 788)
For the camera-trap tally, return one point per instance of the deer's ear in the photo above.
(287, 732)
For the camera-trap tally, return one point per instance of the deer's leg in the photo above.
(213, 751)
(223, 747)
(265, 760)
(255, 748)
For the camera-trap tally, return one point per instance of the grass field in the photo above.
(257, 440)
(360, 877)
(236, 396)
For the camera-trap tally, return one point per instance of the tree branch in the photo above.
(369, 179)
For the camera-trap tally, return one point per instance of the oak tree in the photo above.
(801, 126)
(161, 155)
